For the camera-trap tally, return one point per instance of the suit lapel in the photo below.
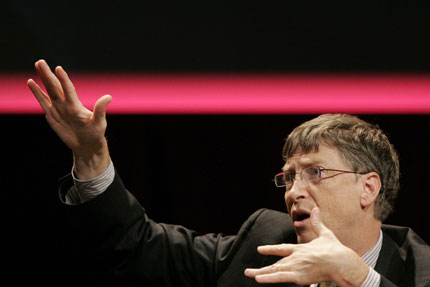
(391, 263)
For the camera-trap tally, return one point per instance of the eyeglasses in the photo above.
(310, 173)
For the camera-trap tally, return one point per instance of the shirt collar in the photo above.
(371, 256)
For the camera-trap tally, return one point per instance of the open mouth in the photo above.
(300, 215)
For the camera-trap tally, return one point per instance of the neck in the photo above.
(365, 238)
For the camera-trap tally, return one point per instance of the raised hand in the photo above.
(323, 259)
(82, 130)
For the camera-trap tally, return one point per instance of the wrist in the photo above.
(91, 164)
(354, 273)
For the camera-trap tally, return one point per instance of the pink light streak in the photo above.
(235, 94)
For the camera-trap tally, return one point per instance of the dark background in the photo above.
(217, 35)
(208, 173)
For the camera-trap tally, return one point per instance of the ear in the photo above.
(371, 187)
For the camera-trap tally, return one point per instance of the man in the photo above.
(340, 175)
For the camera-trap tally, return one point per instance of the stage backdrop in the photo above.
(204, 94)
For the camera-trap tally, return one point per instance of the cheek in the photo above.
(288, 202)
(340, 212)
(337, 201)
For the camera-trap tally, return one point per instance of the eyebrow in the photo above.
(302, 165)
(284, 170)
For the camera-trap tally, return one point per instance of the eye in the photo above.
(289, 177)
(312, 173)
(313, 170)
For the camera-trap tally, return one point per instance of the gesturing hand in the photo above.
(323, 259)
(80, 129)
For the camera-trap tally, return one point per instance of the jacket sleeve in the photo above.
(127, 244)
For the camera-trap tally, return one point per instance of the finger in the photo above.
(66, 83)
(279, 249)
(252, 272)
(317, 226)
(100, 108)
(279, 277)
(40, 95)
(50, 81)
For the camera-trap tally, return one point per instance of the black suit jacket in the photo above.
(136, 251)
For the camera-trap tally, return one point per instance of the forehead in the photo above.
(327, 156)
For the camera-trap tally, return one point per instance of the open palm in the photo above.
(80, 129)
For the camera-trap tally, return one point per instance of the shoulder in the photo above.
(404, 237)
(410, 244)
(269, 215)
(407, 250)
(269, 226)
(263, 227)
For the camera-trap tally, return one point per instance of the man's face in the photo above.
(338, 197)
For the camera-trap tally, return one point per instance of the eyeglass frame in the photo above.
(320, 169)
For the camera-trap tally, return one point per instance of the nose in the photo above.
(297, 191)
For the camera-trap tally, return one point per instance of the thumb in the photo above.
(100, 108)
(317, 226)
